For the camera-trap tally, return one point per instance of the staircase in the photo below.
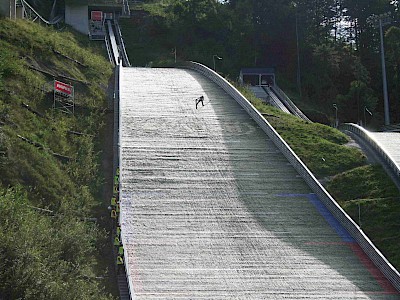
(123, 286)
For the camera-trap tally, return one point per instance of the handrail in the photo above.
(117, 155)
(365, 243)
(114, 46)
(389, 164)
(275, 101)
(126, 8)
(108, 48)
(289, 103)
(125, 58)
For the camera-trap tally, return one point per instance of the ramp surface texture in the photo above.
(390, 142)
(211, 210)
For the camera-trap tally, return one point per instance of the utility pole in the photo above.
(336, 115)
(294, 5)
(378, 22)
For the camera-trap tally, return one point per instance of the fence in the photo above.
(373, 253)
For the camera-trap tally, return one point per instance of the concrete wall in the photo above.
(19, 13)
(7, 8)
(77, 17)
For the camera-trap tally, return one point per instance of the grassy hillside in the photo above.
(365, 191)
(50, 181)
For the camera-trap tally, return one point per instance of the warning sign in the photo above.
(96, 15)
(63, 88)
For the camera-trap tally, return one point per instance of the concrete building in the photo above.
(11, 9)
(257, 76)
(78, 17)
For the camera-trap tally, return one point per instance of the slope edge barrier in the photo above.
(289, 103)
(117, 155)
(386, 159)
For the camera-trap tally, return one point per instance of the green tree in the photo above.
(360, 95)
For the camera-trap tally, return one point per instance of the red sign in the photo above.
(96, 15)
(63, 88)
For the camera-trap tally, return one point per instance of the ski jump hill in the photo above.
(215, 205)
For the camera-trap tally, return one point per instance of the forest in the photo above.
(324, 52)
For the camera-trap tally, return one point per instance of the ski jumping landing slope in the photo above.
(211, 210)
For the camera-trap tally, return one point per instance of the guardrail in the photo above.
(275, 101)
(386, 159)
(113, 42)
(365, 243)
(125, 58)
(126, 11)
(116, 163)
(108, 48)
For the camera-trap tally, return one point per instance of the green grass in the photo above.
(373, 201)
(323, 149)
(379, 219)
(374, 184)
(46, 250)
(346, 175)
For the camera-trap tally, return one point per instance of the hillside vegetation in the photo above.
(365, 191)
(50, 180)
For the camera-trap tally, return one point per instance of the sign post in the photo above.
(64, 97)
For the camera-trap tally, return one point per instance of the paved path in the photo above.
(212, 210)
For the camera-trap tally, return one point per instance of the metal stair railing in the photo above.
(125, 58)
(108, 48)
(289, 103)
(275, 101)
(113, 43)
(126, 12)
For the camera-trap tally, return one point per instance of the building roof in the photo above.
(257, 71)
